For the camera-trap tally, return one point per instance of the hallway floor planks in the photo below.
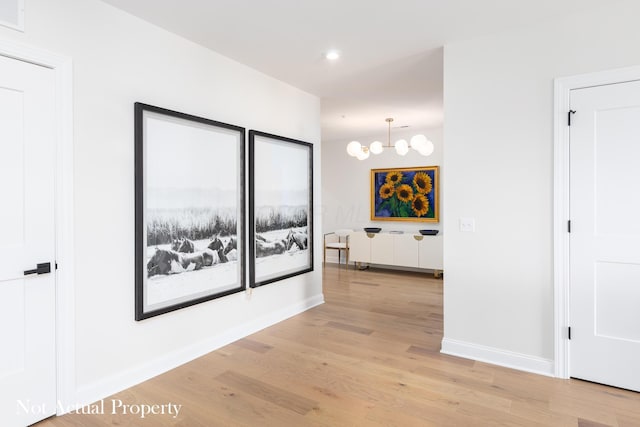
(369, 356)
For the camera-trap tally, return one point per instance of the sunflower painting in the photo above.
(405, 194)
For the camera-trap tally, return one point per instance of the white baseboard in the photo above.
(496, 356)
(135, 375)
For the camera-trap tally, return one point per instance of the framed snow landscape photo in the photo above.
(280, 208)
(189, 210)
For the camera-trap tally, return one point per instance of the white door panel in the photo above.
(27, 303)
(382, 248)
(405, 250)
(605, 234)
(11, 167)
(616, 295)
(12, 307)
(430, 252)
(359, 247)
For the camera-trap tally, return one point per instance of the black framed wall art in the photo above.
(189, 210)
(280, 208)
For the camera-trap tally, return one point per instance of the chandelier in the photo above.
(420, 143)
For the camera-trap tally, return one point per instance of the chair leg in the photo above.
(324, 256)
(346, 265)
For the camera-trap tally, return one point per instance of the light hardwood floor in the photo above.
(368, 356)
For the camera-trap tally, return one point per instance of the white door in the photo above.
(27, 302)
(605, 235)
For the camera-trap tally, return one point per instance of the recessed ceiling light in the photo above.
(332, 55)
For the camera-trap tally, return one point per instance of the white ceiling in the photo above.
(391, 64)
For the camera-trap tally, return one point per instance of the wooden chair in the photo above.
(342, 244)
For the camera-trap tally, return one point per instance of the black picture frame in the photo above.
(280, 208)
(189, 210)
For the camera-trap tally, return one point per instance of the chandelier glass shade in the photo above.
(420, 143)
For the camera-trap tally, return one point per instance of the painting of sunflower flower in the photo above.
(405, 194)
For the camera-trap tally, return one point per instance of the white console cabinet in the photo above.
(402, 250)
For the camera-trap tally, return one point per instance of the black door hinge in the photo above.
(569, 332)
(569, 116)
(569, 226)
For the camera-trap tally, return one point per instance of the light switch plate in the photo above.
(467, 225)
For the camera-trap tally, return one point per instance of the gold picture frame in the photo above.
(405, 194)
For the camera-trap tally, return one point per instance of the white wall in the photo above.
(346, 182)
(118, 60)
(498, 98)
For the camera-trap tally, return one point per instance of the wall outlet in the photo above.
(467, 225)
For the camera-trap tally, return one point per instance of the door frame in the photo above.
(64, 224)
(561, 206)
